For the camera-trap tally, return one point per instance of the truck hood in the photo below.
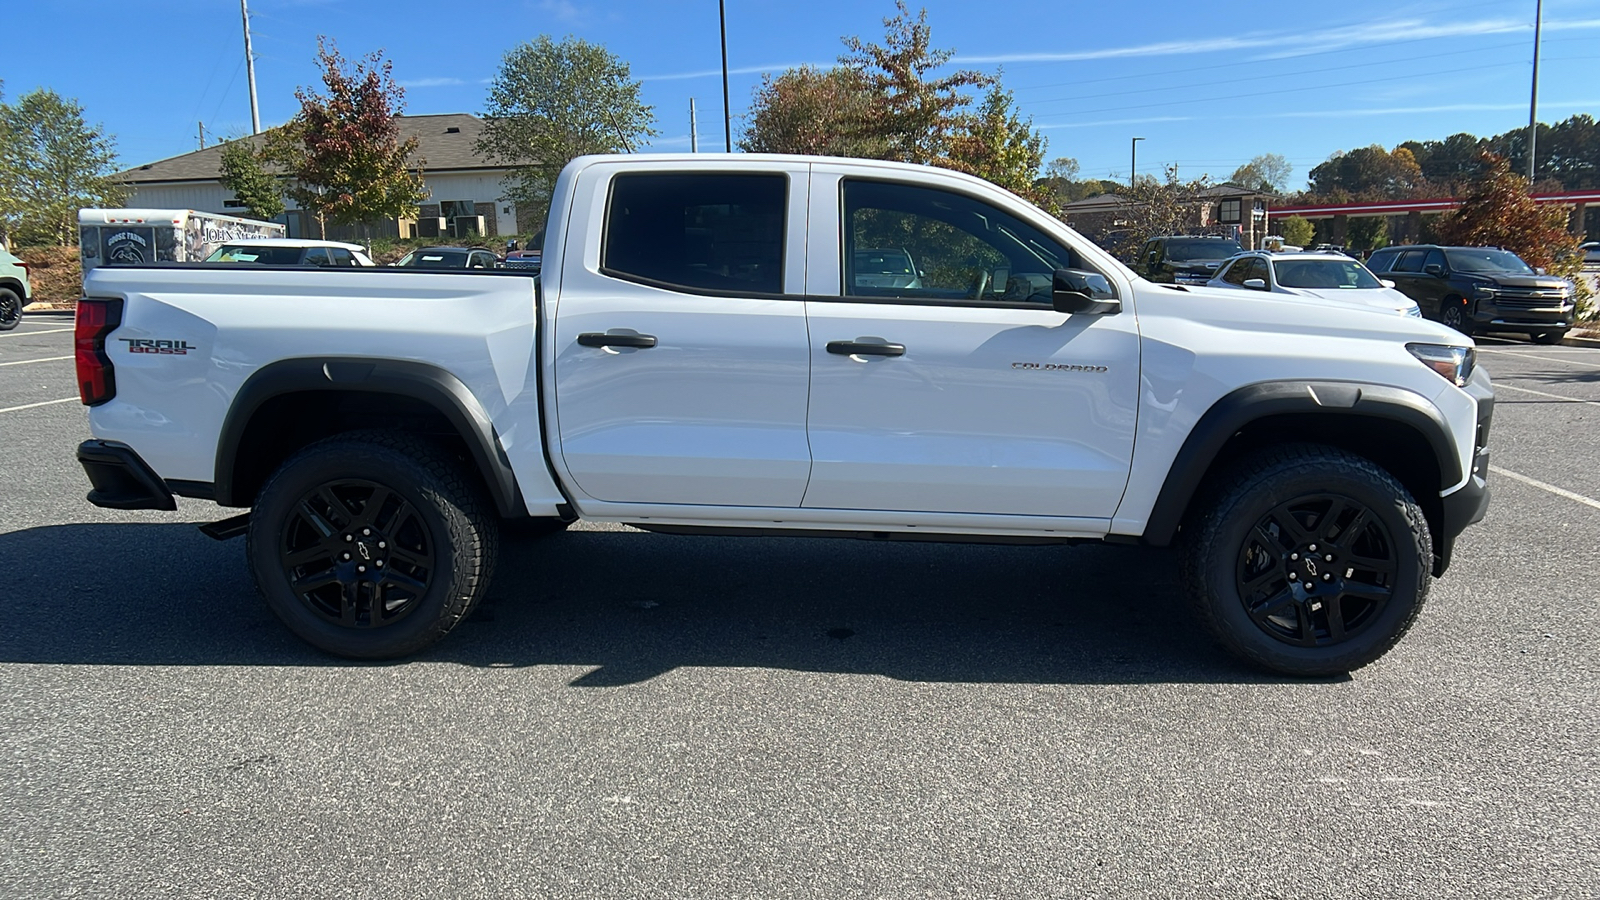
(1288, 315)
(1527, 282)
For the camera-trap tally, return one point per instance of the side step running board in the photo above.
(227, 528)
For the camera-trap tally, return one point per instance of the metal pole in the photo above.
(202, 135)
(250, 70)
(694, 130)
(1133, 161)
(727, 115)
(1533, 104)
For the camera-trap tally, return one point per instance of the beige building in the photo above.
(461, 185)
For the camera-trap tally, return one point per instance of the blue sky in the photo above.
(1207, 85)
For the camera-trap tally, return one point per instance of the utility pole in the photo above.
(202, 135)
(1133, 160)
(727, 116)
(694, 130)
(1533, 104)
(250, 69)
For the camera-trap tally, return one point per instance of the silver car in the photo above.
(1325, 276)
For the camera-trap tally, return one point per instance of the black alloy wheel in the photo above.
(372, 544)
(1317, 570)
(10, 309)
(1306, 560)
(357, 554)
(1454, 314)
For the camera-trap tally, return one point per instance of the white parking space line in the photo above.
(1502, 386)
(24, 362)
(15, 334)
(1571, 362)
(33, 405)
(1534, 482)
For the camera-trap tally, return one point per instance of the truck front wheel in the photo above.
(372, 545)
(1307, 560)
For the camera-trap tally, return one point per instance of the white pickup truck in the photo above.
(795, 346)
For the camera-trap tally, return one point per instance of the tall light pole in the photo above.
(250, 70)
(727, 116)
(1533, 104)
(1133, 161)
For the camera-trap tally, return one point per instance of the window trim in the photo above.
(689, 289)
(963, 303)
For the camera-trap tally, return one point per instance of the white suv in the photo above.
(15, 289)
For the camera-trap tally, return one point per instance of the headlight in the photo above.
(1454, 364)
(1483, 292)
(1414, 311)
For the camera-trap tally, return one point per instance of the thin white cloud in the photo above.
(742, 70)
(1544, 107)
(563, 11)
(430, 82)
(1324, 39)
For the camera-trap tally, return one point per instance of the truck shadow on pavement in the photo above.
(629, 606)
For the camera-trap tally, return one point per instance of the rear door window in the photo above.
(713, 233)
(1409, 261)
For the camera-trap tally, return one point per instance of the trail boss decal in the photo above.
(1057, 367)
(165, 348)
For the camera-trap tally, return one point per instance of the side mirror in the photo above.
(1386, 283)
(1256, 284)
(1077, 292)
(1434, 269)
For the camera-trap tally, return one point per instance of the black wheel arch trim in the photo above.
(1252, 402)
(427, 383)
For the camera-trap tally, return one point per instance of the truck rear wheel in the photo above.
(1307, 560)
(372, 545)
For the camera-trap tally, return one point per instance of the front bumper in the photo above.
(121, 479)
(1492, 316)
(1468, 504)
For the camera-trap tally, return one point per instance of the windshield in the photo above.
(266, 256)
(1202, 248)
(1323, 273)
(436, 259)
(1487, 260)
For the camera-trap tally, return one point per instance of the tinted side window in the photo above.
(1235, 272)
(1435, 258)
(909, 241)
(341, 257)
(1380, 262)
(1409, 261)
(1258, 269)
(697, 232)
(316, 256)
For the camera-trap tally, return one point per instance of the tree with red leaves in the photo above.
(343, 149)
(1499, 213)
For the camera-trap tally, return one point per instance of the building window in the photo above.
(233, 204)
(1228, 212)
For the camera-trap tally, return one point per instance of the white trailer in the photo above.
(160, 235)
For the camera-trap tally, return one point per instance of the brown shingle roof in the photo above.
(438, 147)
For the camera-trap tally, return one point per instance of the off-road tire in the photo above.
(10, 309)
(448, 519)
(1220, 536)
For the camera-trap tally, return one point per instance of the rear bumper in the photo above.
(121, 479)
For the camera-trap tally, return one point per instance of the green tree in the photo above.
(552, 102)
(917, 114)
(343, 148)
(1267, 172)
(1368, 173)
(244, 172)
(997, 145)
(1296, 230)
(1367, 233)
(52, 163)
(821, 112)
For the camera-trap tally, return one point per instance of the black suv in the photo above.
(1479, 289)
(1184, 258)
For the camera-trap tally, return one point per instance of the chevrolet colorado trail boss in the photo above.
(700, 355)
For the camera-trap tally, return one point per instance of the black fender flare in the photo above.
(1252, 402)
(429, 384)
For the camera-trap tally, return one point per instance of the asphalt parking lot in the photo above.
(648, 716)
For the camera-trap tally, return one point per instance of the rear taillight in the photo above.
(97, 382)
(23, 266)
